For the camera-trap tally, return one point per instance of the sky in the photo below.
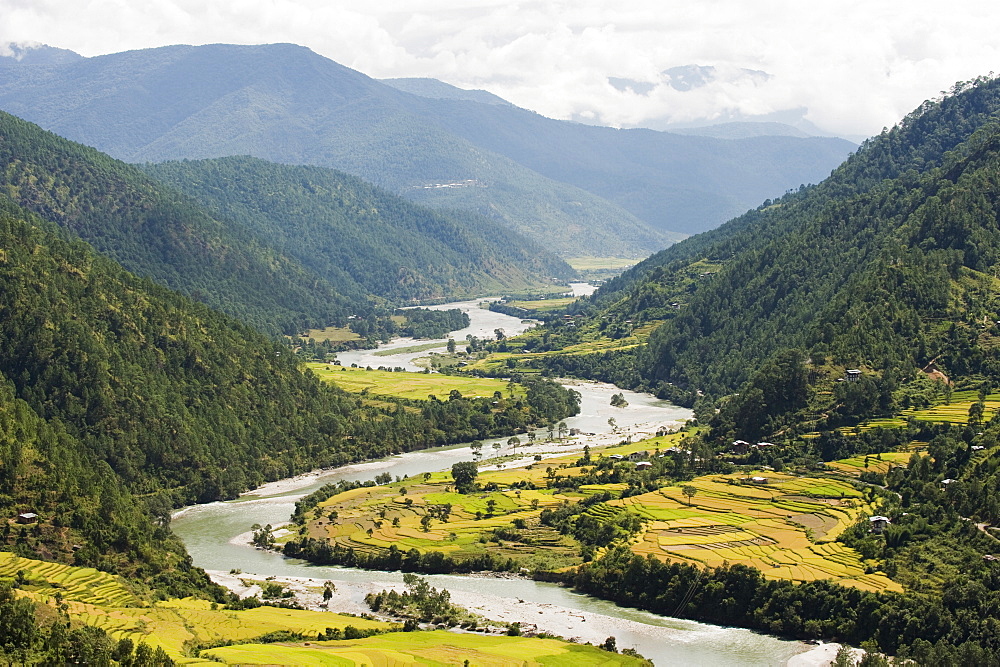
(849, 67)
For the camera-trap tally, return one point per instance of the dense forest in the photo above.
(859, 271)
(116, 389)
(360, 238)
(330, 247)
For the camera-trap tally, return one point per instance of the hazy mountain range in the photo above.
(579, 189)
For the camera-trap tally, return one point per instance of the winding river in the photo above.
(215, 534)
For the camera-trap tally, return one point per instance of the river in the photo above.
(215, 535)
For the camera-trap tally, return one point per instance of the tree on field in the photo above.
(464, 474)
(689, 491)
(513, 441)
(477, 448)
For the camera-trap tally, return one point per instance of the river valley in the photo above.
(216, 535)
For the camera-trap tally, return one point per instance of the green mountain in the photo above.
(121, 399)
(358, 237)
(577, 189)
(887, 266)
(242, 263)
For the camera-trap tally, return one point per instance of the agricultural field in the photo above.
(332, 334)
(427, 648)
(416, 386)
(99, 599)
(81, 584)
(499, 361)
(370, 519)
(785, 526)
(877, 463)
(955, 411)
(601, 263)
(419, 347)
(543, 305)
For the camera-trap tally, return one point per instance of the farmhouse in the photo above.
(643, 465)
(27, 517)
(852, 375)
(740, 447)
(878, 524)
(638, 456)
(759, 480)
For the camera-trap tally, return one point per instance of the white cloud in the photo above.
(855, 66)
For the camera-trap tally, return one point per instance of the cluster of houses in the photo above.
(641, 459)
(743, 447)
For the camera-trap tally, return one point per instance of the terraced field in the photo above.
(785, 527)
(543, 305)
(81, 584)
(332, 334)
(100, 599)
(427, 648)
(373, 518)
(177, 625)
(417, 386)
(956, 411)
(879, 463)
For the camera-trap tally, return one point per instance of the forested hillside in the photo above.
(284, 249)
(156, 232)
(358, 237)
(888, 265)
(121, 399)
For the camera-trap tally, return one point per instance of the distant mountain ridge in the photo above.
(578, 189)
(439, 90)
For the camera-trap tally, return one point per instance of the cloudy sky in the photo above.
(847, 66)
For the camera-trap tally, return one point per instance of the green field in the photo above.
(181, 626)
(427, 648)
(416, 386)
(786, 526)
(370, 519)
(543, 305)
(498, 361)
(412, 348)
(102, 600)
(600, 263)
(332, 334)
(956, 411)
